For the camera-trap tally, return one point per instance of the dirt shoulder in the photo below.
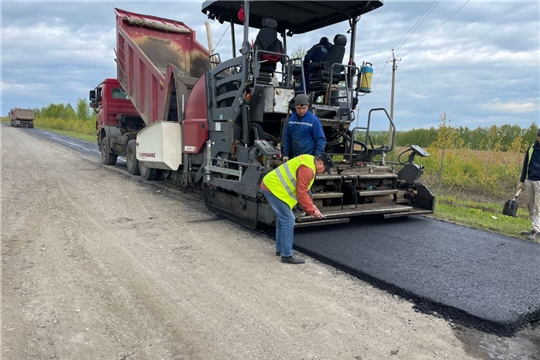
(100, 265)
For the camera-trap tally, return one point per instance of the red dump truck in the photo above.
(21, 117)
(215, 127)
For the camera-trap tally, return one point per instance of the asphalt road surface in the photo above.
(478, 278)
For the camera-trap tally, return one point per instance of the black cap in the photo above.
(327, 160)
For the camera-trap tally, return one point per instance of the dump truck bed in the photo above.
(150, 50)
(22, 114)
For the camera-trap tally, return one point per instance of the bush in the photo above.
(86, 127)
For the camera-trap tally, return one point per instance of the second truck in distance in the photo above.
(21, 117)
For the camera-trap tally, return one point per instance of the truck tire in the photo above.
(131, 158)
(148, 173)
(107, 157)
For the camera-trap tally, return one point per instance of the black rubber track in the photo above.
(476, 278)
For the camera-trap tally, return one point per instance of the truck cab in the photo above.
(113, 106)
(117, 122)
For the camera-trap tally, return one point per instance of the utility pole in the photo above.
(394, 68)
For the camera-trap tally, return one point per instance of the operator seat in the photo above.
(319, 80)
(267, 40)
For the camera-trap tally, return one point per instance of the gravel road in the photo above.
(97, 264)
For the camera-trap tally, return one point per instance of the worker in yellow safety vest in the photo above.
(284, 187)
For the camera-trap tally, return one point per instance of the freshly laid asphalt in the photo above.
(476, 278)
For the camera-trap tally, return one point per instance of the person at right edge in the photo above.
(530, 183)
(284, 187)
(304, 133)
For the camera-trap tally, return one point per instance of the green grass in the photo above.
(484, 216)
(89, 138)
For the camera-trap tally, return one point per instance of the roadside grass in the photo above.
(89, 138)
(482, 215)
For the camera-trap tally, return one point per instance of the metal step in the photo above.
(377, 192)
(361, 209)
(377, 176)
(412, 212)
(363, 176)
(320, 222)
(329, 177)
(327, 195)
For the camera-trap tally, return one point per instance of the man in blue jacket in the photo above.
(530, 182)
(304, 133)
(313, 59)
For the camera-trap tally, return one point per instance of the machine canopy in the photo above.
(295, 17)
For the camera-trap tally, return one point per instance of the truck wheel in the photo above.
(131, 159)
(106, 156)
(148, 173)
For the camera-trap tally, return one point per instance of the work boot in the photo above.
(298, 211)
(292, 260)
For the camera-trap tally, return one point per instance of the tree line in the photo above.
(481, 138)
(82, 111)
(504, 138)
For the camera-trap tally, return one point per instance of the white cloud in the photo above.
(525, 106)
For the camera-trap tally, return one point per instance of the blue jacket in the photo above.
(317, 53)
(531, 169)
(303, 136)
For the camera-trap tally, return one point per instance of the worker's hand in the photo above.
(285, 158)
(317, 214)
(521, 186)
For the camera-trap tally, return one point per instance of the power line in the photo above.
(415, 26)
(376, 93)
(221, 38)
(375, 53)
(437, 28)
(378, 77)
(375, 84)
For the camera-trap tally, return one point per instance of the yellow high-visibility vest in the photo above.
(282, 181)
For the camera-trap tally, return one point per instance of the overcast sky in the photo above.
(478, 61)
